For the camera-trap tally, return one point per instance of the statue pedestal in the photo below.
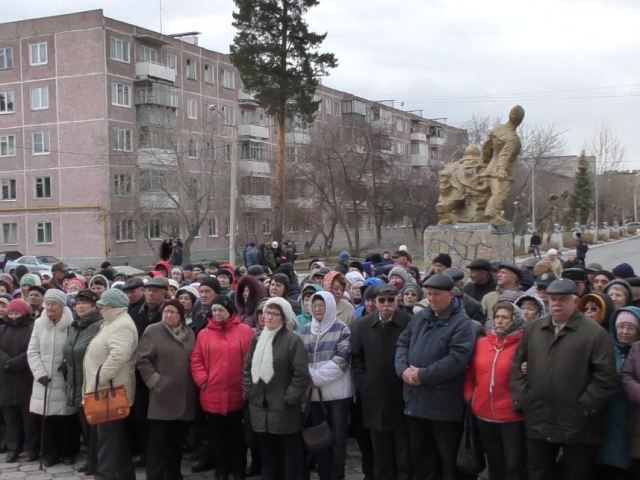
(465, 242)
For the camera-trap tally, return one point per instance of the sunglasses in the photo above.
(386, 300)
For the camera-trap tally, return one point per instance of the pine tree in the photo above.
(581, 199)
(279, 63)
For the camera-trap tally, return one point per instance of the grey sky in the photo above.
(569, 63)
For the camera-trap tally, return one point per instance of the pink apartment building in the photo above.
(85, 105)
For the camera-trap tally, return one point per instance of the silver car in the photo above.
(34, 263)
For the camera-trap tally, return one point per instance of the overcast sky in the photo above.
(573, 64)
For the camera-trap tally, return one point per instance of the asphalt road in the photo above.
(610, 255)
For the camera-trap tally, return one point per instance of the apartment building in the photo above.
(100, 118)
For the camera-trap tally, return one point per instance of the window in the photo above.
(44, 233)
(7, 102)
(40, 143)
(122, 139)
(8, 189)
(125, 231)
(38, 54)
(9, 233)
(192, 108)
(122, 184)
(154, 230)
(191, 68)
(208, 73)
(193, 149)
(119, 50)
(327, 105)
(266, 227)
(172, 61)
(148, 54)
(227, 113)
(120, 95)
(7, 145)
(294, 228)
(227, 151)
(6, 58)
(228, 79)
(213, 227)
(307, 226)
(399, 125)
(154, 181)
(250, 225)
(40, 98)
(43, 187)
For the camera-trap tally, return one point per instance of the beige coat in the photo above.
(113, 347)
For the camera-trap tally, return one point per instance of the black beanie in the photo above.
(212, 283)
(225, 302)
(444, 259)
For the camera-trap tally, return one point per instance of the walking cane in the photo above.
(44, 416)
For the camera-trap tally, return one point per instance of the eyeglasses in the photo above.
(591, 309)
(273, 314)
(170, 312)
(386, 300)
(318, 306)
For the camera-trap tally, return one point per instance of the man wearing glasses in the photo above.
(374, 338)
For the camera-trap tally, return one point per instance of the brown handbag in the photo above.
(106, 404)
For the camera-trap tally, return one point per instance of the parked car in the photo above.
(7, 256)
(34, 263)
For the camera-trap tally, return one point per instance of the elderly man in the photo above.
(374, 338)
(432, 355)
(562, 376)
(482, 281)
(508, 278)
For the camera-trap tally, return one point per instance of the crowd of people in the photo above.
(232, 366)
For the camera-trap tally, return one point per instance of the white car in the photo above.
(34, 263)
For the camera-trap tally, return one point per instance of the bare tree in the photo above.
(479, 126)
(607, 147)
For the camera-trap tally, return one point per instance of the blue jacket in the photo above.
(441, 347)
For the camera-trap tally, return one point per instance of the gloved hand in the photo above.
(44, 380)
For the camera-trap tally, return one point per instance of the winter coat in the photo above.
(246, 311)
(328, 347)
(15, 383)
(570, 377)
(479, 291)
(143, 316)
(45, 358)
(251, 255)
(217, 364)
(79, 335)
(276, 407)
(631, 383)
(472, 307)
(441, 346)
(200, 314)
(163, 360)
(113, 348)
(373, 361)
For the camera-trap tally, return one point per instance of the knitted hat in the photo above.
(344, 256)
(30, 279)
(354, 277)
(623, 270)
(75, 281)
(192, 291)
(444, 259)
(20, 306)
(623, 317)
(177, 305)
(101, 279)
(400, 272)
(5, 298)
(225, 302)
(212, 283)
(8, 279)
(113, 298)
(173, 283)
(55, 295)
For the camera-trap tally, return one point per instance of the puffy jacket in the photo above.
(216, 364)
(487, 381)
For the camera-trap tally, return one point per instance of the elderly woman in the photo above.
(598, 307)
(620, 293)
(487, 389)
(216, 366)
(16, 382)
(86, 323)
(411, 295)
(531, 306)
(276, 376)
(327, 342)
(163, 357)
(187, 297)
(48, 397)
(112, 351)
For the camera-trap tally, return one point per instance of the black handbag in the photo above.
(470, 459)
(318, 437)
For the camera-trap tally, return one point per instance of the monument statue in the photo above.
(474, 188)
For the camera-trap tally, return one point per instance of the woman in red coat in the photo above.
(216, 366)
(487, 390)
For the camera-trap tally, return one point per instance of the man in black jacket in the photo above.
(482, 281)
(373, 349)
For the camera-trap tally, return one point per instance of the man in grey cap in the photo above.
(507, 278)
(432, 355)
(482, 281)
(568, 375)
(58, 272)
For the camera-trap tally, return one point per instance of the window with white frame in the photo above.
(40, 143)
(6, 58)
(120, 50)
(7, 102)
(120, 94)
(171, 61)
(125, 230)
(193, 149)
(38, 54)
(190, 70)
(192, 108)
(122, 139)
(208, 73)
(43, 187)
(10, 233)
(44, 233)
(40, 98)
(154, 228)
(7, 145)
(122, 184)
(213, 227)
(148, 54)
(228, 78)
(7, 189)
(228, 114)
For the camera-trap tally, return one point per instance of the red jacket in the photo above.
(217, 362)
(488, 377)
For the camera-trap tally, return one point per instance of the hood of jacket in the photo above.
(535, 298)
(257, 292)
(635, 311)
(621, 283)
(605, 303)
(315, 289)
(330, 277)
(330, 314)
(164, 264)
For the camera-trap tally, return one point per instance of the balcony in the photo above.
(157, 200)
(255, 131)
(297, 138)
(247, 99)
(156, 157)
(419, 160)
(440, 141)
(257, 201)
(151, 70)
(255, 168)
(418, 137)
